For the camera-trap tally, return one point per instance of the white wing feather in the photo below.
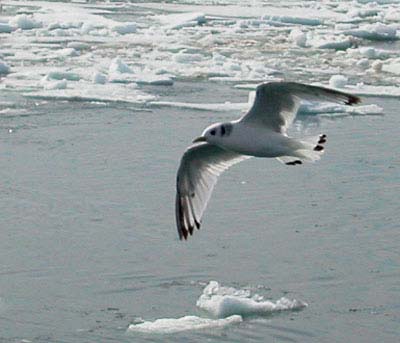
(276, 103)
(198, 172)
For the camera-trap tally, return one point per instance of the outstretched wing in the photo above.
(276, 103)
(198, 172)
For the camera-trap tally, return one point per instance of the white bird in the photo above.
(261, 132)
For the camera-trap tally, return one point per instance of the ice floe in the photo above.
(227, 306)
(377, 32)
(187, 323)
(25, 22)
(218, 42)
(223, 301)
(4, 68)
(178, 21)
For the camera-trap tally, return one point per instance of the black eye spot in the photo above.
(222, 130)
(212, 132)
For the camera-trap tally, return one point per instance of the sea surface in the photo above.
(88, 244)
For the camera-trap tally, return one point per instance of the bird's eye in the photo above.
(212, 132)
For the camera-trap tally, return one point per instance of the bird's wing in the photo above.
(198, 172)
(276, 103)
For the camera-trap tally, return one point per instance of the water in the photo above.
(88, 240)
(88, 244)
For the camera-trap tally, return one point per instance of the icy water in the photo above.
(89, 246)
(98, 101)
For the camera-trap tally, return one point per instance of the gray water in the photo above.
(88, 243)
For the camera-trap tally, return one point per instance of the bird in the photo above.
(261, 132)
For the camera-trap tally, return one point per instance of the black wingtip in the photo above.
(293, 163)
(352, 99)
(319, 148)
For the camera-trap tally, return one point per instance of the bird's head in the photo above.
(215, 133)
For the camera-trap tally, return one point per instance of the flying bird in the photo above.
(261, 132)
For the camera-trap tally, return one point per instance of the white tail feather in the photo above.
(311, 151)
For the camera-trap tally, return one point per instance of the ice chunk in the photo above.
(294, 20)
(335, 43)
(48, 84)
(63, 75)
(187, 323)
(373, 53)
(125, 28)
(227, 301)
(298, 37)
(4, 68)
(78, 45)
(99, 78)
(338, 81)
(89, 91)
(392, 67)
(377, 31)
(362, 13)
(178, 21)
(203, 107)
(25, 22)
(119, 66)
(6, 28)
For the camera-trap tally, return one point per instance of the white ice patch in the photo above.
(298, 37)
(125, 28)
(178, 21)
(227, 301)
(119, 66)
(25, 22)
(377, 32)
(392, 66)
(89, 91)
(224, 107)
(187, 323)
(338, 81)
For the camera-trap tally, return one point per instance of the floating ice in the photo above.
(48, 84)
(78, 45)
(377, 31)
(372, 53)
(4, 68)
(89, 91)
(119, 66)
(335, 43)
(224, 107)
(338, 81)
(6, 28)
(298, 37)
(392, 66)
(125, 28)
(63, 75)
(227, 301)
(178, 21)
(25, 22)
(293, 20)
(187, 323)
(99, 78)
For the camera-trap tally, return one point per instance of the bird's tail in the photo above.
(311, 150)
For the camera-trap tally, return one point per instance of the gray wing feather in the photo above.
(276, 103)
(198, 172)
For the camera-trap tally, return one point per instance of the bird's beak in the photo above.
(200, 139)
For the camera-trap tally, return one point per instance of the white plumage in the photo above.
(261, 132)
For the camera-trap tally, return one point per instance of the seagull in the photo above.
(261, 132)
